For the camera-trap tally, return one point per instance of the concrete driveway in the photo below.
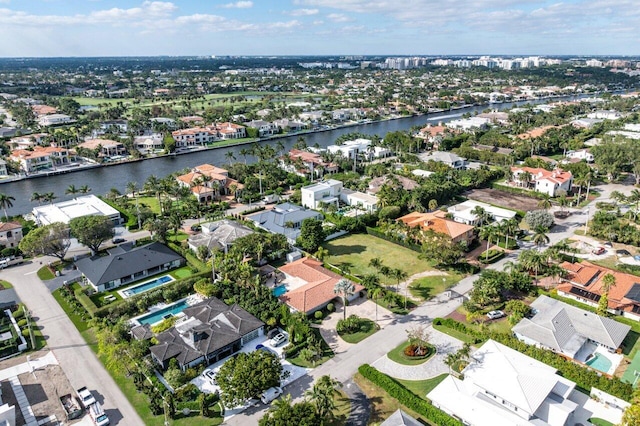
(77, 360)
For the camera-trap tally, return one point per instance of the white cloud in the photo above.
(238, 5)
(303, 12)
(338, 17)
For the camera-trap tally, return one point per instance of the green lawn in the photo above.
(454, 333)
(367, 328)
(427, 287)
(423, 387)
(356, 250)
(76, 319)
(180, 273)
(5, 284)
(341, 412)
(327, 354)
(397, 355)
(151, 202)
(45, 273)
(600, 422)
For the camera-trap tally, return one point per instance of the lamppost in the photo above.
(587, 222)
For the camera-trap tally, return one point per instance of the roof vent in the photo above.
(119, 258)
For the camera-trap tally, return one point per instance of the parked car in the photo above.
(211, 376)
(599, 250)
(623, 252)
(637, 257)
(86, 397)
(278, 339)
(196, 228)
(270, 394)
(118, 240)
(495, 314)
(98, 415)
(608, 244)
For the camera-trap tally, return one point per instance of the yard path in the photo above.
(433, 367)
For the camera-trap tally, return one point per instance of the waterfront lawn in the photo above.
(150, 202)
(423, 387)
(427, 287)
(356, 251)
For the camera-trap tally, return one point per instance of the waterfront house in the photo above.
(125, 264)
(321, 194)
(3, 168)
(209, 332)
(306, 163)
(104, 147)
(54, 119)
(64, 211)
(264, 127)
(10, 234)
(449, 158)
(220, 234)
(41, 158)
(209, 182)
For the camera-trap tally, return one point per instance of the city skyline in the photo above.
(317, 27)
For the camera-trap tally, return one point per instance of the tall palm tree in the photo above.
(49, 197)
(6, 202)
(71, 190)
(540, 236)
(510, 227)
(84, 189)
(36, 196)
(344, 289)
(545, 202)
(488, 233)
(375, 263)
(230, 156)
(376, 293)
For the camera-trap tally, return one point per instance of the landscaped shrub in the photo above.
(407, 398)
(22, 322)
(318, 315)
(18, 314)
(331, 307)
(491, 256)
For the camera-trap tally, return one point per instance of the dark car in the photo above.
(118, 240)
(196, 228)
(623, 252)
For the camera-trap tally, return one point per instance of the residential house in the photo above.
(496, 149)
(27, 141)
(10, 234)
(495, 117)
(192, 119)
(449, 158)
(149, 143)
(114, 126)
(64, 211)
(361, 148)
(542, 180)
(305, 163)
(568, 330)
(585, 123)
(264, 127)
(41, 158)
(54, 119)
(219, 235)
(285, 219)
(376, 184)
(208, 332)
(580, 155)
(125, 264)
(437, 221)
(228, 130)
(104, 147)
(42, 110)
(470, 124)
(3, 168)
(208, 182)
(194, 136)
(290, 125)
(434, 134)
(400, 418)
(319, 195)
(315, 288)
(502, 387)
(584, 282)
(463, 212)
(605, 115)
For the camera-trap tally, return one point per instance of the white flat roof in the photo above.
(67, 210)
(464, 210)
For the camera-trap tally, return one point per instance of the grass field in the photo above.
(5, 284)
(427, 287)
(356, 250)
(45, 273)
(423, 387)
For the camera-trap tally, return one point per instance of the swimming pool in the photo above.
(163, 313)
(279, 290)
(146, 286)
(600, 363)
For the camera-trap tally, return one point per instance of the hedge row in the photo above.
(407, 398)
(376, 233)
(85, 301)
(188, 254)
(493, 255)
(584, 378)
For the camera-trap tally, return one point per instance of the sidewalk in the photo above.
(29, 366)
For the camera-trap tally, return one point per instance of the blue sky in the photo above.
(318, 27)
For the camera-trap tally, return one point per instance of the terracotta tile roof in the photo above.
(433, 130)
(37, 152)
(593, 278)
(43, 110)
(436, 222)
(556, 175)
(105, 143)
(9, 226)
(319, 288)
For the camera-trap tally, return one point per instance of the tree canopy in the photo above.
(311, 235)
(49, 240)
(247, 375)
(91, 231)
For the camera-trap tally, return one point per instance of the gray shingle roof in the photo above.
(124, 261)
(565, 328)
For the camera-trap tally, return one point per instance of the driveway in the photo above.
(77, 360)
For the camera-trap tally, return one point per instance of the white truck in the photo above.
(5, 262)
(98, 415)
(86, 397)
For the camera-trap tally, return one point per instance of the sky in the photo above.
(318, 27)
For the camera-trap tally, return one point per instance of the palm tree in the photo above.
(49, 197)
(634, 198)
(433, 204)
(84, 189)
(72, 190)
(608, 281)
(510, 227)
(321, 253)
(481, 215)
(6, 202)
(37, 197)
(399, 275)
(545, 202)
(488, 233)
(321, 395)
(540, 236)
(344, 288)
(375, 263)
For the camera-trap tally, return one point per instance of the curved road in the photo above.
(74, 355)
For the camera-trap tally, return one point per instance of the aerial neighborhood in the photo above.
(454, 240)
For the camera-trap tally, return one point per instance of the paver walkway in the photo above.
(23, 403)
(433, 367)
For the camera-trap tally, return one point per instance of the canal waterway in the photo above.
(102, 179)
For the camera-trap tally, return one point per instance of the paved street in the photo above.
(74, 356)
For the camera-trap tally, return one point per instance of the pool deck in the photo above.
(191, 300)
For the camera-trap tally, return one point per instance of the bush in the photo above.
(389, 212)
(331, 307)
(491, 256)
(22, 322)
(18, 314)
(318, 315)
(407, 398)
(25, 333)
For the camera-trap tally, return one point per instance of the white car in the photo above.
(86, 396)
(495, 314)
(278, 339)
(271, 394)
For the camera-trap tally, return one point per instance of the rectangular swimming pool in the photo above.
(146, 286)
(163, 313)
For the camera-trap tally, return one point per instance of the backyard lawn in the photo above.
(356, 250)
